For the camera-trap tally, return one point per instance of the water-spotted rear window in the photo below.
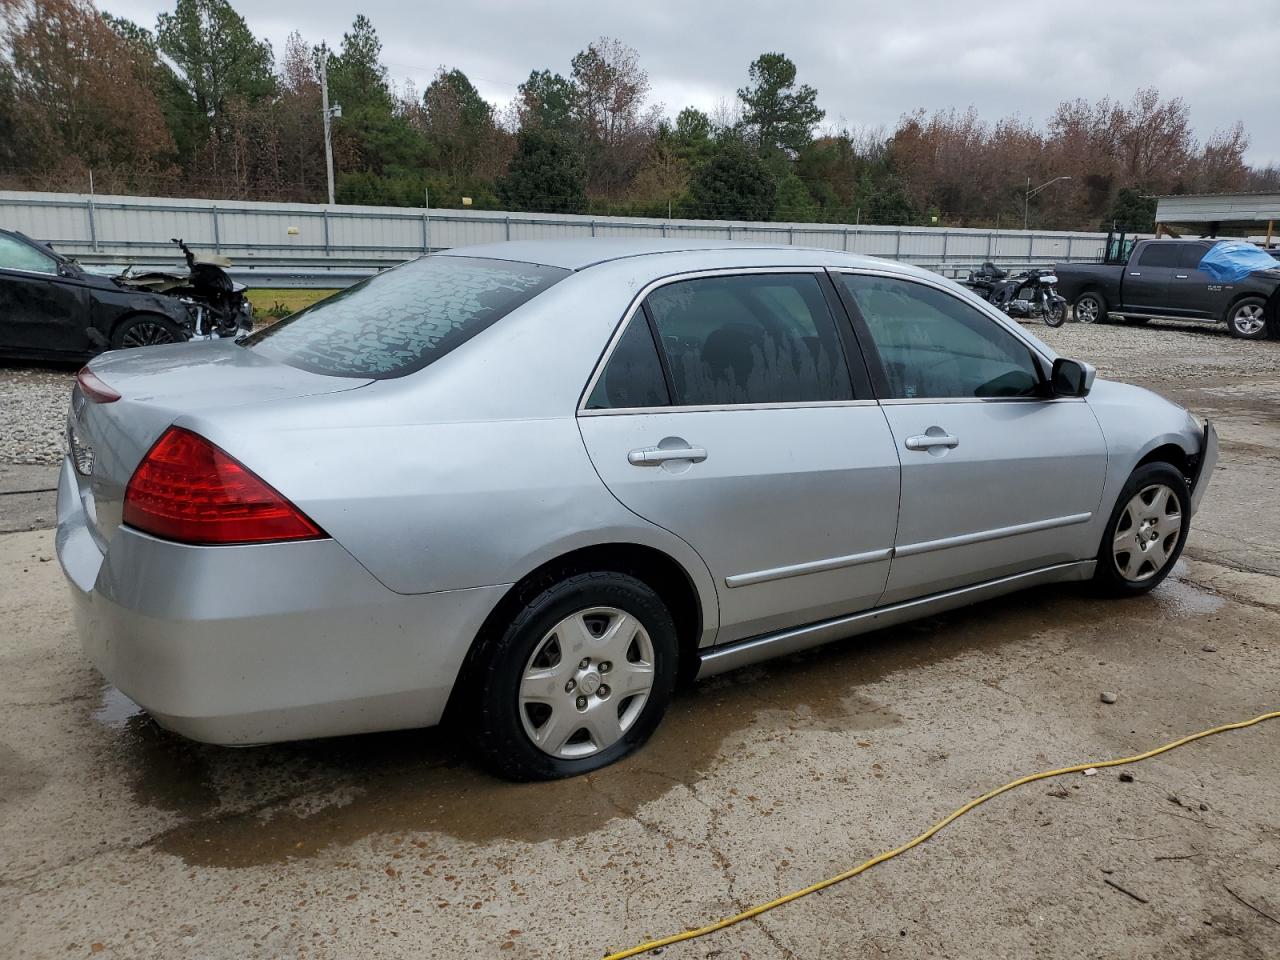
(405, 318)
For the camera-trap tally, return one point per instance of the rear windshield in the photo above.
(405, 318)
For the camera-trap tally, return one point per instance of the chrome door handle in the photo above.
(1179, 276)
(656, 456)
(1135, 274)
(925, 441)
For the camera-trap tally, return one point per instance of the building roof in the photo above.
(1241, 209)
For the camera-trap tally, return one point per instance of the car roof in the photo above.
(579, 254)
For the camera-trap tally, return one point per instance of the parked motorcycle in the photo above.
(217, 304)
(1031, 294)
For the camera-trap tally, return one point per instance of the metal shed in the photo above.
(1214, 212)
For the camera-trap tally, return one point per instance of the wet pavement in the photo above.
(118, 839)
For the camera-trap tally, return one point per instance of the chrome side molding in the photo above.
(740, 654)
(800, 569)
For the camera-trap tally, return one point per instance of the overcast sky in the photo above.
(870, 61)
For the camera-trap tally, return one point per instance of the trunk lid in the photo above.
(157, 385)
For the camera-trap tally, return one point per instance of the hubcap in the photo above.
(1147, 533)
(1087, 310)
(1248, 318)
(586, 683)
(148, 334)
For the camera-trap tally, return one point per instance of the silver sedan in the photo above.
(529, 487)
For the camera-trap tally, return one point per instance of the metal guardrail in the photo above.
(303, 244)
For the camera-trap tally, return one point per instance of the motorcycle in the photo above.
(1032, 294)
(217, 304)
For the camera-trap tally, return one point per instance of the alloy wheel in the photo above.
(1088, 310)
(586, 683)
(1147, 533)
(148, 333)
(1248, 319)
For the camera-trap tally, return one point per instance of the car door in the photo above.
(1146, 282)
(40, 311)
(997, 478)
(1192, 292)
(726, 412)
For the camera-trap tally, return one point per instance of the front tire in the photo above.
(1056, 314)
(1090, 307)
(1247, 318)
(145, 330)
(1146, 532)
(580, 678)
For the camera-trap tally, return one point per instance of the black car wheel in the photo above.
(1090, 307)
(146, 330)
(578, 679)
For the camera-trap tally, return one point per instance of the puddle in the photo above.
(1182, 598)
(115, 709)
(268, 804)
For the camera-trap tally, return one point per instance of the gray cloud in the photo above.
(870, 62)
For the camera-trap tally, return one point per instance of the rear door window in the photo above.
(405, 318)
(757, 338)
(1159, 254)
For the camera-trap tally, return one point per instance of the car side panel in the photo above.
(440, 506)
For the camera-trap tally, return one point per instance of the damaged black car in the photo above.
(51, 308)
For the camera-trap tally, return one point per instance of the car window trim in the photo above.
(871, 354)
(638, 303)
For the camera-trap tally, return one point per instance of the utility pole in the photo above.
(329, 114)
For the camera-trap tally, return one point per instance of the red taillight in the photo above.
(93, 388)
(188, 489)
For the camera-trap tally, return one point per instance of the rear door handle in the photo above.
(925, 441)
(1179, 276)
(656, 456)
(1135, 274)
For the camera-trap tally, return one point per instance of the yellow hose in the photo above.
(890, 854)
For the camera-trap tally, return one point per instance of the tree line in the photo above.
(196, 105)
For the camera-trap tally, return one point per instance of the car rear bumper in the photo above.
(257, 644)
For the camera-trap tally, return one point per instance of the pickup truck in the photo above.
(1160, 279)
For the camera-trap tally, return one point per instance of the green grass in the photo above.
(265, 300)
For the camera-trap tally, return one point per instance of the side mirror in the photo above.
(1071, 378)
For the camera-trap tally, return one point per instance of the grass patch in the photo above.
(281, 301)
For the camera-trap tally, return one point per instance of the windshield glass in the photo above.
(405, 318)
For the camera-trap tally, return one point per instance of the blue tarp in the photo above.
(1232, 260)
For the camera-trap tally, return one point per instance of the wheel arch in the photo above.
(1270, 304)
(652, 566)
(1170, 453)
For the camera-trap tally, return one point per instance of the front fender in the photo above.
(1135, 422)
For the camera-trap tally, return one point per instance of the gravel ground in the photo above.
(33, 412)
(1170, 351)
(33, 400)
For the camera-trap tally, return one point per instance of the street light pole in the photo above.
(1026, 200)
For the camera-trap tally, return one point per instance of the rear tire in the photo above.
(1247, 318)
(1090, 307)
(1146, 532)
(145, 330)
(580, 678)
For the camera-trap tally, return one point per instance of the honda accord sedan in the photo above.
(530, 487)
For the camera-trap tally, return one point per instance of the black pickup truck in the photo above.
(1160, 279)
